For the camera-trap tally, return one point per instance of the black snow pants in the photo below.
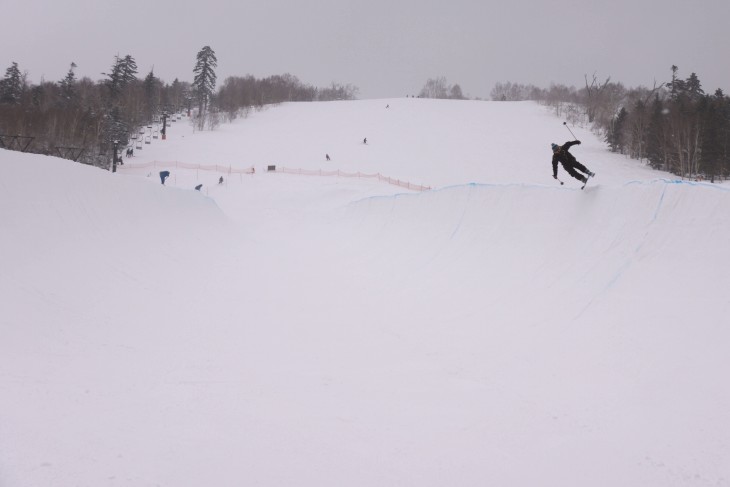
(571, 169)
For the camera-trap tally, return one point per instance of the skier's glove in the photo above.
(555, 176)
(577, 142)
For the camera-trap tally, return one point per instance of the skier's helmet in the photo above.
(555, 147)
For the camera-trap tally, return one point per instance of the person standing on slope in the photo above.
(570, 164)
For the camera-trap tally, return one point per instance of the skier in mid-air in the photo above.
(570, 164)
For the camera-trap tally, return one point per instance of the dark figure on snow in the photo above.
(197, 188)
(220, 181)
(327, 156)
(164, 175)
(365, 140)
(562, 155)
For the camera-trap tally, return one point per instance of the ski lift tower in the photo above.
(164, 126)
(115, 146)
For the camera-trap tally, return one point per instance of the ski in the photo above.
(584, 184)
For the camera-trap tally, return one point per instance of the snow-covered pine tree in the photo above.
(152, 87)
(204, 81)
(11, 86)
(68, 85)
(129, 69)
(615, 135)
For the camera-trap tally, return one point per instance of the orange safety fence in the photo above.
(378, 176)
(285, 170)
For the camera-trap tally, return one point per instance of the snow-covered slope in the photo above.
(282, 330)
(431, 142)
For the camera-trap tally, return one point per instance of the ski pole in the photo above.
(571, 132)
(561, 183)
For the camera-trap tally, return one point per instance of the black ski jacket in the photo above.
(563, 156)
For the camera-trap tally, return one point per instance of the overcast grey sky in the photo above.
(385, 47)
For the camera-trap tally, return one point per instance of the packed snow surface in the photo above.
(288, 330)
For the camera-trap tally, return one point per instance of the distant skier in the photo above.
(570, 164)
(327, 156)
(220, 181)
(197, 188)
(365, 140)
(164, 175)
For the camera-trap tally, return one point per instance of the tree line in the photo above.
(440, 88)
(83, 119)
(674, 126)
(239, 94)
(680, 129)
